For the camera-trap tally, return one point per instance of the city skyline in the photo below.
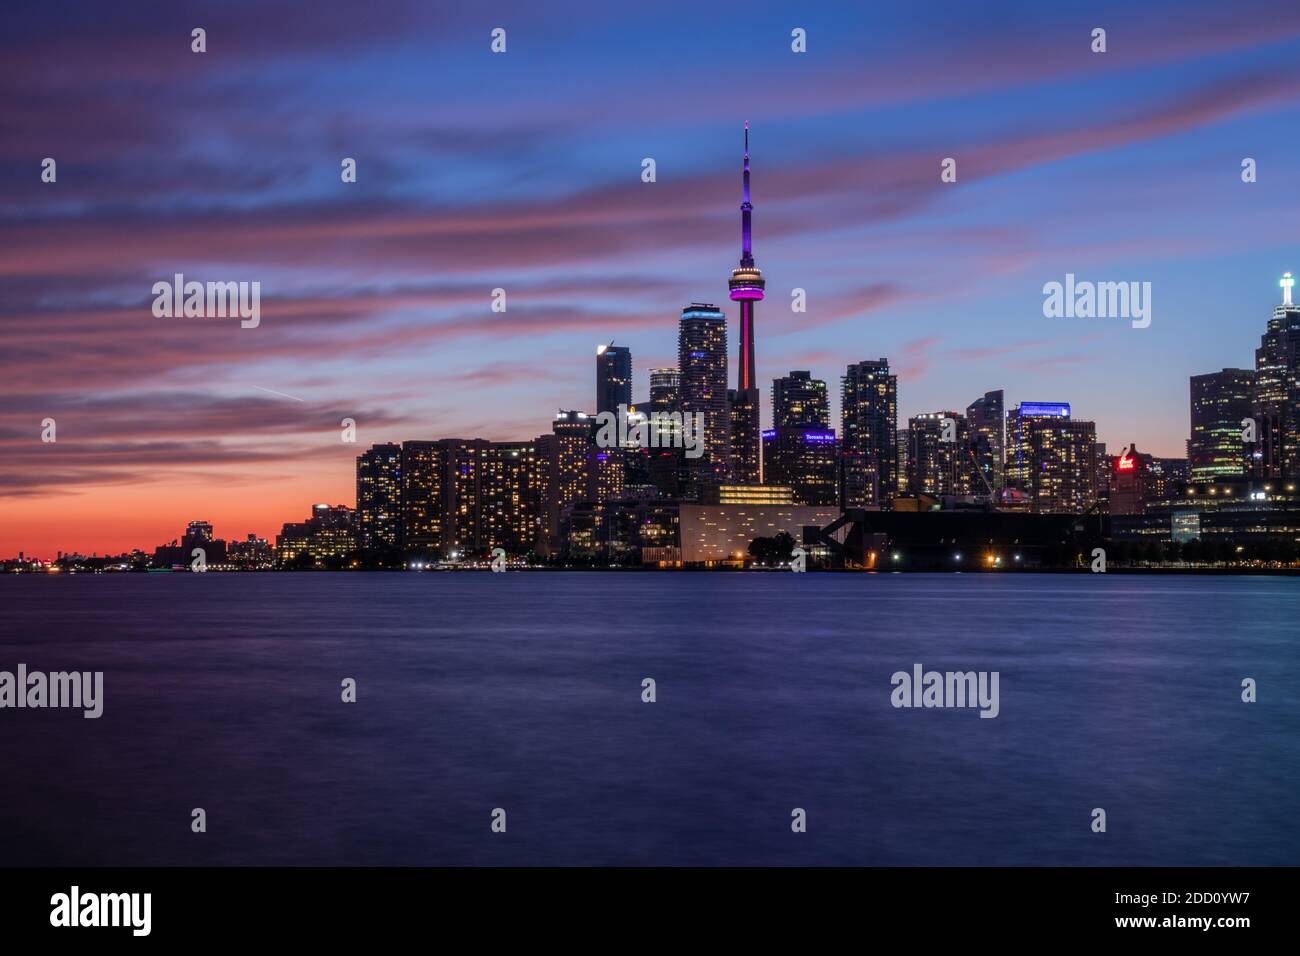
(985, 433)
(377, 301)
(615, 380)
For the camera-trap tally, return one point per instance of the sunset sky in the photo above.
(522, 171)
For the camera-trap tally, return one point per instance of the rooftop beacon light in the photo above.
(1287, 282)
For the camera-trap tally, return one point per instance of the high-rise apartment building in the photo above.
(565, 459)
(510, 510)
(869, 473)
(423, 464)
(801, 451)
(938, 459)
(986, 417)
(800, 399)
(379, 498)
(702, 361)
(1051, 458)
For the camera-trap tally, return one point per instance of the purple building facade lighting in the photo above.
(1045, 409)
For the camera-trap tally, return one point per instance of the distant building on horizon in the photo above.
(251, 554)
(197, 535)
(324, 540)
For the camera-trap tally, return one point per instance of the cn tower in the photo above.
(746, 288)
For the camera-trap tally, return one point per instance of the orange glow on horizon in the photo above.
(113, 519)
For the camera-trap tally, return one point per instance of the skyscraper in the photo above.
(422, 482)
(1051, 458)
(987, 442)
(462, 496)
(613, 377)
(800, 451)
(802, 458)
(800, 399)
(564, 463)
(937, 459)
(491, 496)
(379, 498)
(1221, 402)
(510, 501)
(868, 437)
(702, 360)
(1277, 391)
(665, 385)
(746, 286)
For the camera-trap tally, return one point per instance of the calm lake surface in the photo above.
(523, 691)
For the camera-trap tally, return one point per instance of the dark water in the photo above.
(523, 691)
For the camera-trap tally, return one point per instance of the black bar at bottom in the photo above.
(211, 905)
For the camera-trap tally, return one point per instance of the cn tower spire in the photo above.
(746, 287)
(746, 210)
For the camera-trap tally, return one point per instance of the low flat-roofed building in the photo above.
(1237, 510)
(713, 533)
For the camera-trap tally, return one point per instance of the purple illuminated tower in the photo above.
(746, 288)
